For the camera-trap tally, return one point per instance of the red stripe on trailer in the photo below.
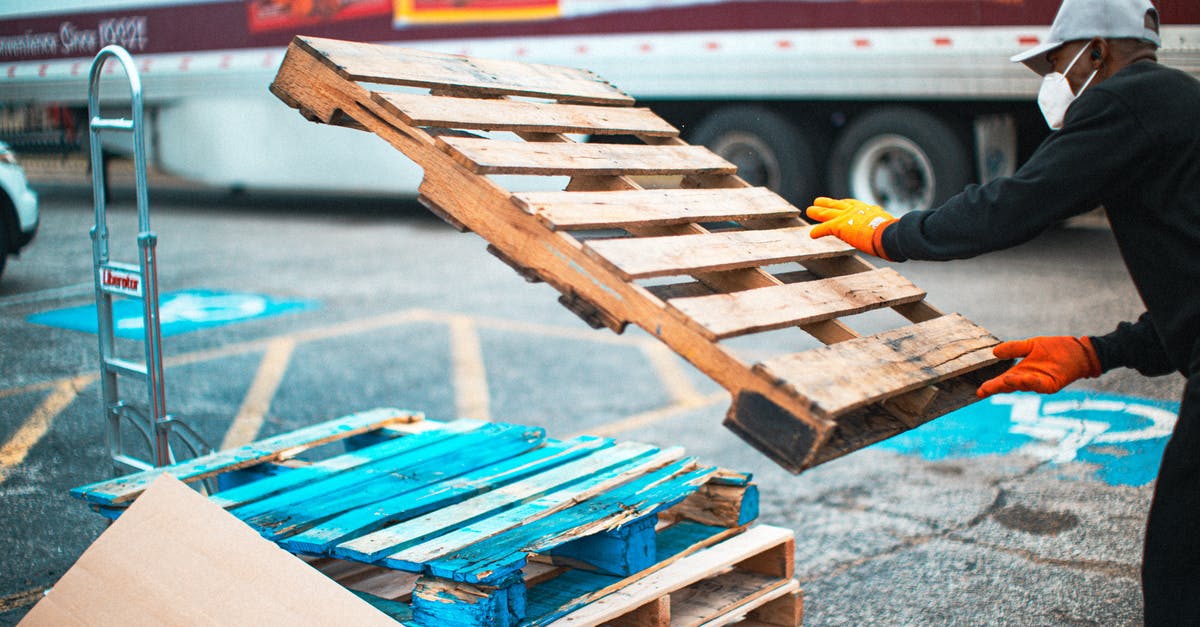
(862, 43)
(942, 42)
(712, 45)
(784, 44)
(1029, 40)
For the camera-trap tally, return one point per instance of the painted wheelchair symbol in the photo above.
(1122, 437)
(198, 308)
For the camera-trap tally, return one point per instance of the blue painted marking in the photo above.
(1122, 436)
(179, 312)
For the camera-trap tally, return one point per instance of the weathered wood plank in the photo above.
(575, 588)
(390, 65)
(679, 574)
(491, 156)
(416, 555)
(375, 545)
(726, 597)
(644, 257)
(777, 307)
(657, 207)
(855, 373)
(296, 477)
(506, 553)
(523, 116)
(360, 521)
(125, 489)
(285, 514)
(718, 504)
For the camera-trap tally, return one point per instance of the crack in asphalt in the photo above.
(953, 534)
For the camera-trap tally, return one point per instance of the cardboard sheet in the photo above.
(176, 559)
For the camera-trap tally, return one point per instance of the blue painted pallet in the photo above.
(462, 506)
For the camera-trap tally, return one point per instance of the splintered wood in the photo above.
(701, 258)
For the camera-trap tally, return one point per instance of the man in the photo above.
(1127, 138)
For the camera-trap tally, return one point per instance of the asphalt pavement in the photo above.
(288, 310)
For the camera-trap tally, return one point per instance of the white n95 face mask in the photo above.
(1055, 95)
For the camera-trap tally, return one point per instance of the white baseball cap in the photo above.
(1085, 19)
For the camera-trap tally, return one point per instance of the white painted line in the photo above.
(78, 289)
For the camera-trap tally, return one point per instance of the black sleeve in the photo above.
(1134, 345)
(1062, 178)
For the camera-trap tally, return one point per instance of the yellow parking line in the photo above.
(670, 372)
(38, 423)
(644, 419)
(470, 375)
(249, 419)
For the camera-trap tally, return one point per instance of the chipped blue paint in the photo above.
(504, 606)
(357, 522)
(1122, 437)
(241, 495)
(284, 514)
(505, 553)
(623, 551)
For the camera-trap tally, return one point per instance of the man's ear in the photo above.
(1099, 53)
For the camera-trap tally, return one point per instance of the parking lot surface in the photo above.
(289, 310)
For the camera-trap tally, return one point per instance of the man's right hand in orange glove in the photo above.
(852, 221)
(1048, 364)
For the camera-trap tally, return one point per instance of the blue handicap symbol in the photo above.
(179, 312)
(1122, 436)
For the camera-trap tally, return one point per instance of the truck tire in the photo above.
(3, 247)
(900, 158)
(768, 150)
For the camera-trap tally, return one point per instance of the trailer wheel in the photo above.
(903, 159)
(3, 249)
(768, 150)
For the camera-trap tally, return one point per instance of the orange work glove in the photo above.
(853, 221)
(1048, 364)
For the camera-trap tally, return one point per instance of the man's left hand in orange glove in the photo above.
(853, 221)
(1048, 365)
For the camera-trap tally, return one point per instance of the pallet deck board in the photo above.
(706, 224)
(359, 521)
(617, 209)
(527, 513)
(282, 515)
(283, 446)
(297, 477)
(524, 116)
(645, 257)
(390, 540)
(777, 307)
(391, 65)
(507, 552)
(495, 156)
(848, 375)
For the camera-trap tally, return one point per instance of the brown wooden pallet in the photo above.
(746, 578)
(697, 262)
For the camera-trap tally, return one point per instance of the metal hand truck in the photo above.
(127, 280)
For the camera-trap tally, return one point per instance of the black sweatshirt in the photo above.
(1132, 144)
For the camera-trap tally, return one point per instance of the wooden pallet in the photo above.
(701, 258)
(473, 523)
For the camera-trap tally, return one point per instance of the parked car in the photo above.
(18, 207)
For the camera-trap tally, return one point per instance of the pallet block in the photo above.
(472, 523)
(696, 260)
